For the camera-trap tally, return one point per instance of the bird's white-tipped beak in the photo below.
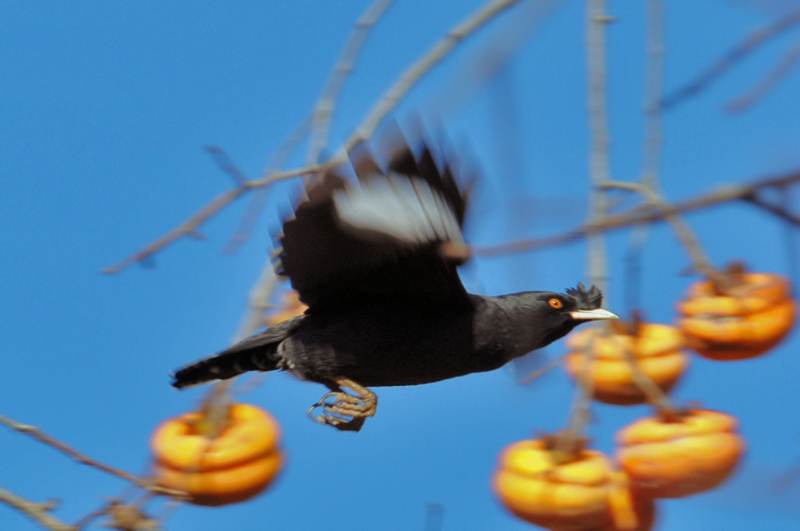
(592, 315)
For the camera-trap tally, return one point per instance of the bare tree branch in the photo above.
(186, 228)
(640, 215)
(38, 511)
(257, 303)
(323, 111)
(319, 124)
(259, 197)
(654, 82)
(386, 103)
(422, 66)
(40, 436)
(787, 62)
(778, 210)
(226, 164)
(744, 48)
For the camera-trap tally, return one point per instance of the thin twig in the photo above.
(651, 390)
(541, 371)
(84, 521)
(786, 479)
(422, 66)
(323, 111)
(258, 302)
(485, 64)
(319, 124)
(187, 228)
(386, 103)
(434, 516)
(639, 215)
(259, 197)
(40, 436)
(226, 164)
(744, 48)
(398, 90)
(619, 185)
(786, 64)
(654, 77)
(580, 409)
(633, 267)
(654, 81)
(37, 511)
(654, 394)
(778, 210)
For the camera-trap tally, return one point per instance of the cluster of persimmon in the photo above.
(674, 454)
(553, 485)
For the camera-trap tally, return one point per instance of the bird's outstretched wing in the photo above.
(395, 235)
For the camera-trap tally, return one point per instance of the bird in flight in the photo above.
(376, 263)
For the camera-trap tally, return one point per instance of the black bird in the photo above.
(376, 263)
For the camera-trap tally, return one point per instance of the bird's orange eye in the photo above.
(555, 303)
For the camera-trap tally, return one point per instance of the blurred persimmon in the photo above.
(567, 492)
(680, 456)
(655, 347)
(290, 307)
(742, 321)
(237, 464)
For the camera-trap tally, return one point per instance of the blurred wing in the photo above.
(384, 237)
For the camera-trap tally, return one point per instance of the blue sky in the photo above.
(105, 108)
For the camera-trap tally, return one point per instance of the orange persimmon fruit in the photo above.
(291, 306)
(234, 466)
(751, 317)
(676, 457)
(582, 493)
(656, 348)
(631, 509)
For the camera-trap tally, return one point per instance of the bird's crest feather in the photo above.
(590, 299)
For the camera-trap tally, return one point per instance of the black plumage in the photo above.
(376, 262)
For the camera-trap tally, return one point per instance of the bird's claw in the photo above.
(343, 411)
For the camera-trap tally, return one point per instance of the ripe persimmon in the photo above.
(655, 347)
(582, 492)
(749, 318)
(234, 466)
(675, 457)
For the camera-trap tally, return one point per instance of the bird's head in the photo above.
(551, 316)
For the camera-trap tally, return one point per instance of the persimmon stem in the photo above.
(541, 371)
(580, 414)
(654, 394)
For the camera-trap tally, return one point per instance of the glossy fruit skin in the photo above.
(656, 347)
(573, 496)
(237, 465)
(676, 459)
(753, 317)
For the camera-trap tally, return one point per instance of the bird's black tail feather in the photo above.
(225, 365)
(256, 353)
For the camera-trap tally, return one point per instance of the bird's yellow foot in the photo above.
(343, 411)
